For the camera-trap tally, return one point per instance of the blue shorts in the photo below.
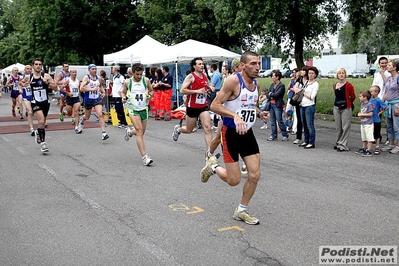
(27, 98)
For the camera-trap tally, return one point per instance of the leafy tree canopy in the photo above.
(82, 31)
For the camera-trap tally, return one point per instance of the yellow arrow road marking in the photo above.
(230, 228)
(197, 210)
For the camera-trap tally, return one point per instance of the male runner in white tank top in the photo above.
(236, 103)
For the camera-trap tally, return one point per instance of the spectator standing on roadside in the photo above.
(308, 108)
(262, 103)
(366, 124)
(300, 84)
(378, 108)
(166, 87)
(156, 86)
(290, 93)
(391, 96)
(215, 85)
(117, 87)
(343, 105)
(275, 96)
(381, 76)
(4, 83)
(151, 103)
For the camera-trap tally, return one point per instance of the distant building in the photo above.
(334, 51)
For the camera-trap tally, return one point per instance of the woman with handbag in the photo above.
(300, 83)
(343, 106)
(308, 108)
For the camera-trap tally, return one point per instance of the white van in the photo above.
(83, 70)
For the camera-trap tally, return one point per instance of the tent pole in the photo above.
(177, 87)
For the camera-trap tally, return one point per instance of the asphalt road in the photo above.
(92, 202)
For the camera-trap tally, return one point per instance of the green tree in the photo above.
(76, 31)
(297, 25)
(373, 39)
(174, 21)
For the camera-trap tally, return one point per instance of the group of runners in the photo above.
(236, 103)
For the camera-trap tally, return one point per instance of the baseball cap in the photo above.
(235, 63)
(91, 66)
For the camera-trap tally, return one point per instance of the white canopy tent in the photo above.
(8, 70)
(184, 52)
(142, 48)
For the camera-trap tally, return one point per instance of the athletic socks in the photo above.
(242, 208)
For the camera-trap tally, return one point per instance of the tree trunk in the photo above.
(299, 51)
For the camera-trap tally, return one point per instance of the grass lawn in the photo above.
(325, 96)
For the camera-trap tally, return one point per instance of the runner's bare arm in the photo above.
(124, 90)
(9, 82)
(149, 86)
(228, 91)
(50, 82)
(65, 83)
(23, 82)
(58, 80)
(85, 81)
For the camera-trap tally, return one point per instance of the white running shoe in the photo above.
(147, 160)
(43, 147)
(127, 134)
(245, 217)
(79, 129)
(104, 136)
(176, 133)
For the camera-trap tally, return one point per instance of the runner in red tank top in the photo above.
(195, 86)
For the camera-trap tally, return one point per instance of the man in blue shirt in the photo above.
(216, 85)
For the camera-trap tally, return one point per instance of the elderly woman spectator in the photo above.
(344, 96)
(275, 96)
(308, 108)
(391, 96)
